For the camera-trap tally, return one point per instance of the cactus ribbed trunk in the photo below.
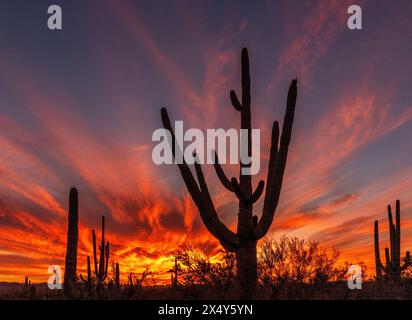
(246, 262)
(249, 229)
(70, 277)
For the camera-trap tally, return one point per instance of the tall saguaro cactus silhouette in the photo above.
(249, 229)
(70, 277)
(393, 267)
(100, 268)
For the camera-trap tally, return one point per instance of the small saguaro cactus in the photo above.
(100, 268)
(117, 276)
(26, 282)
(393, 266)
(70, 277)
(27, 286)
(174, 273)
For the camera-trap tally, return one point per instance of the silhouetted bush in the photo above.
(196, 268)
(297, 261)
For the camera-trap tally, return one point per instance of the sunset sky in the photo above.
(78, 108)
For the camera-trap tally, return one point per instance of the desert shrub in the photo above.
(294, 260)
(196, 268)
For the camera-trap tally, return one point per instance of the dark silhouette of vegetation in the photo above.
(99, 285)
(250, 228)
(101, 265)
(70, 269)
(393, 266)
(117, 276)
(174, 272)
(288, 268)
(297, 261)
(196, 268)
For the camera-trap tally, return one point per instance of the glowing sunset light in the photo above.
(78, 109)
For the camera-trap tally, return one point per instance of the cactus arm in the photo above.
(95, 253)
(203, 185)
(247, 200)
(106, 265)
(391, 233)
(237, 190)
(383, 267)
(407, 262)
(102, 252)
(209, 215)
(393, 245)
(246, 98)
(185, 172)
(271, 165)
(275, 184)
(206, 208)
(258, 192)
(235, 101)
(388, 261)
(221, 174)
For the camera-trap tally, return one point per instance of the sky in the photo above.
(78, 107)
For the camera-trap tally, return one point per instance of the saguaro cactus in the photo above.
(26, 283)
(175, 273)
(117, 276)
(250, 228)
(393, 266)
(70, 278)
(100, 268)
